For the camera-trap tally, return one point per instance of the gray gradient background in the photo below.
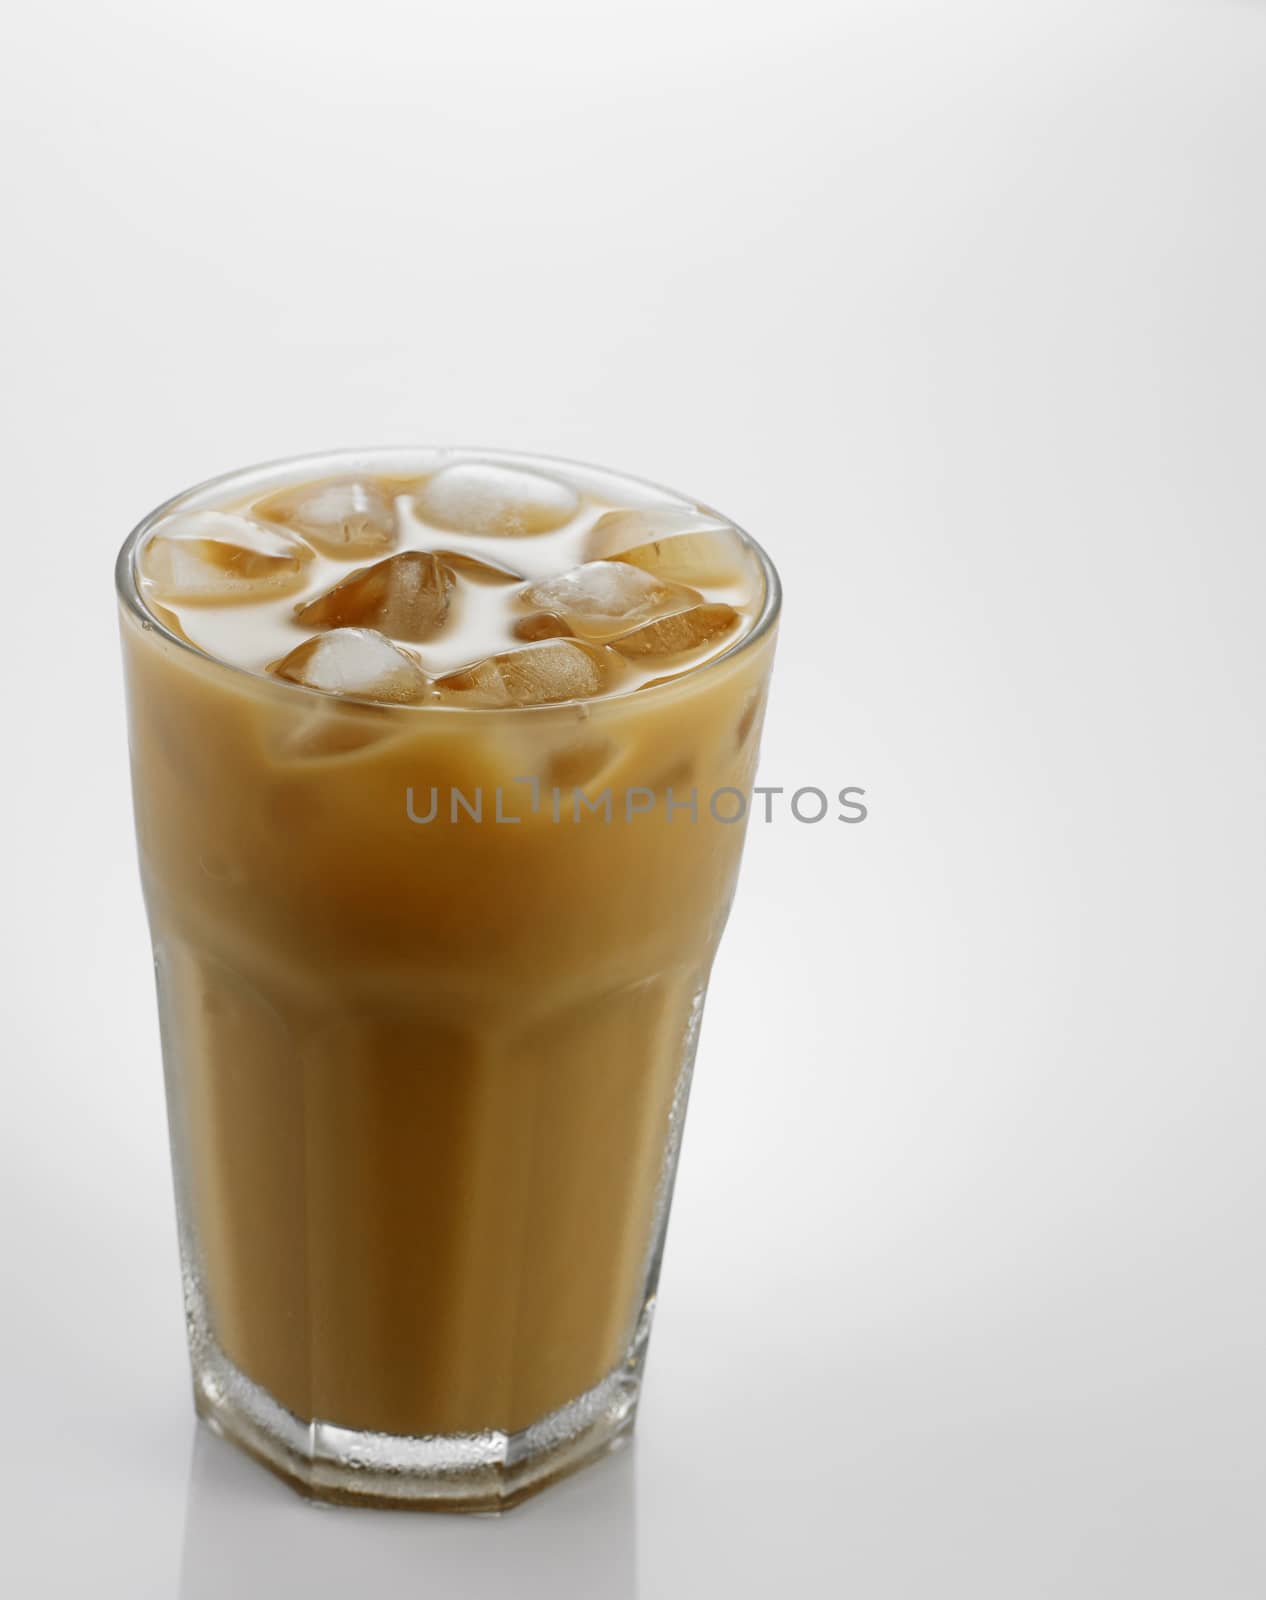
(959, 306)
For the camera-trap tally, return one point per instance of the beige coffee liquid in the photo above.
(427, 1056)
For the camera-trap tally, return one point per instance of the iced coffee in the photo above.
(441, 764)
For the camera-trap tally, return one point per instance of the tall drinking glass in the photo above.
(430, 981)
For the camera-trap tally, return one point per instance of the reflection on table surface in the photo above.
(248, 1535)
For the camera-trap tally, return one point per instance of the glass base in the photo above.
(478, 1472)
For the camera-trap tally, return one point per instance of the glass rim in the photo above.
(332, 461)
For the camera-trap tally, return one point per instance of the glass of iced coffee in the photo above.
(441, 763)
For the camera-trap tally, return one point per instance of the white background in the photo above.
(959, 307)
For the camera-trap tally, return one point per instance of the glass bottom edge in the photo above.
(475, 1472)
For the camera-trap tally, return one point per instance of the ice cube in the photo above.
(479, 569)
(212, 556)
(618, 531)
(541, 625)
(603, 598)
(405, 596)
(331, 731)
(684, 630)
(681, 547)
(344, 517)
(355, 661)
(169, 620)
(577, 765)
(481, 498)
(536, 675)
